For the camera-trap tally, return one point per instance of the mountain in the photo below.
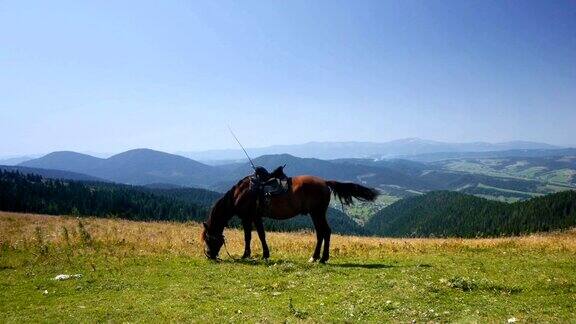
(395, 177)
(144, 166)
(139, 166)
(65, 160)
(368, 174)
(398, 177)
(336, 150)
(446, 214)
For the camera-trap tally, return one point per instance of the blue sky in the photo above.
(107, 76)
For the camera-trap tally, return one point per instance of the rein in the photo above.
(220, 237)
(226, 248)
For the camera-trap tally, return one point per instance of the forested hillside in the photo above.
(35, 194)
(447, 214)
(51, 173)
(440, 213)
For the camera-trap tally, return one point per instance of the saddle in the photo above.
(276, 186)
(270, 184)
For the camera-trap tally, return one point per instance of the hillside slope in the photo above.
(445, 213)
(32, 193)
(51, 173)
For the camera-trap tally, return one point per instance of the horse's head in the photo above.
(212, 233)
(213, 242)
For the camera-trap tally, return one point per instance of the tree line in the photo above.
(439, 213)
(453, 214)
(31, 193)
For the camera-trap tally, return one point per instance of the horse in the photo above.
(307, 195)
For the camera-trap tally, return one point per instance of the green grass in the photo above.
(533, 194)
(363, 211)
(154, 272)
(562, 176)
(519, 170)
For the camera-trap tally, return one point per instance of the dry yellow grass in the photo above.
(169, 237)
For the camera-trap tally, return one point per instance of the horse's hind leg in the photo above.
(262, 235)
(327, 234)
(319, 237)
(323, 233)
(247, 225)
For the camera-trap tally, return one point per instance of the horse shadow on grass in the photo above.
(350, 265)
(362, 265)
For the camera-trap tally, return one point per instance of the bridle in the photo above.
(219, 238)
(213, 238)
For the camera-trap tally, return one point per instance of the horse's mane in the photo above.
(224, 202)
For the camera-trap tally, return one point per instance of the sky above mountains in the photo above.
(171, 75)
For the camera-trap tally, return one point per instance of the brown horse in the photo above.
(308, 195)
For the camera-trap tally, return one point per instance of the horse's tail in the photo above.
(345, 191)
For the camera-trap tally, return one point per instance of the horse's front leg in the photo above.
(247, 225)
(262, 235)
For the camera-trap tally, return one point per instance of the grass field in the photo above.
(361, 212)
(151, 272)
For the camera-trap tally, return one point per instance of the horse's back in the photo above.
(311, 190)
(307, 182)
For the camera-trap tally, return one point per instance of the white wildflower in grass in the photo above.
(61, 277)
(512, 320)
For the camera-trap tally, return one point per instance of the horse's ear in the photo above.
(283, 166)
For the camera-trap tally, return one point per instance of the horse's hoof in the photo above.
(312, 260)
(246, 256)
(323, 261)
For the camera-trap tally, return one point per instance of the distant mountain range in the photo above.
(409, 148)
(519, 178)
(391, 149)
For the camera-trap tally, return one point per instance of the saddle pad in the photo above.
(276, 187)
